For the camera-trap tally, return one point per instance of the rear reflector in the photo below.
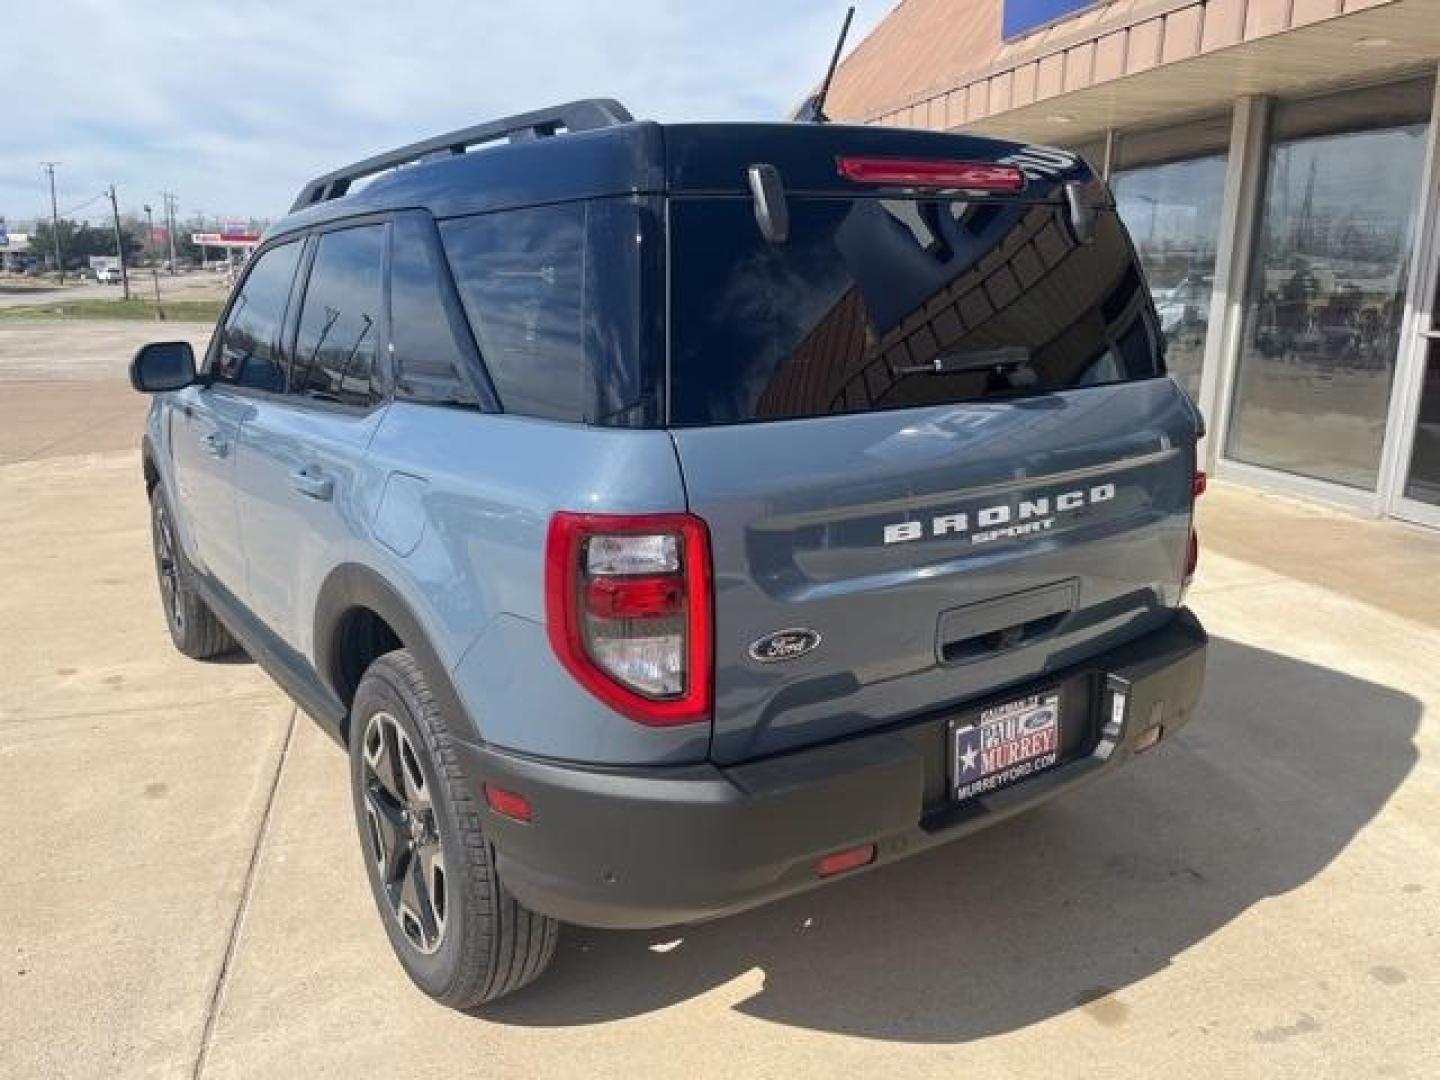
(924, 173)
(511, 804)
(850, 859)
(1199, 484)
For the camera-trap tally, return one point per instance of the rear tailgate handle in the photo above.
(312, 483)
(983, 629)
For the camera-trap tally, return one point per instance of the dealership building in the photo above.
(1275, 163)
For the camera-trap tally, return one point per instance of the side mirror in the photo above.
(161, 366)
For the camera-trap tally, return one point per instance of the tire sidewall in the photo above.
(160, 507)
(381, 690)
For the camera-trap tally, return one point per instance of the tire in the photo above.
(460, 936)
(194, 628)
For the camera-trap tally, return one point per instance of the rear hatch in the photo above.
(933, 441)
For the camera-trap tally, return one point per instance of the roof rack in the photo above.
(585, 115)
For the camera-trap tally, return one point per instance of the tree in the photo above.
(80, 240)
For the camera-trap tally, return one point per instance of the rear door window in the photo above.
(882, 304)
(249, 351)
(337, 343)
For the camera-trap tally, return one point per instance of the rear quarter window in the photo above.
(552, 295)
(881, 304)
(519, 274)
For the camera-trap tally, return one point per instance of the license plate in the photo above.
(1005, 744)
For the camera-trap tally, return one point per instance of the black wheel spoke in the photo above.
(416, 911)
(390, 836)
(383, 757)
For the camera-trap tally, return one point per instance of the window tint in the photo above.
(336, 346)
(883, 304)
(249, 345)
(520, 277)
(428, 358)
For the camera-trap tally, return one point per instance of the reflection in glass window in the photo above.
(520, 275)
(890, 304)
(1326, 295)
(1173, 214)
(249, 352)
(339, 321)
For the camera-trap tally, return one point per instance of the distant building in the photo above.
(14, 249)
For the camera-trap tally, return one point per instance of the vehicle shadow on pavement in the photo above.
(1061, 908)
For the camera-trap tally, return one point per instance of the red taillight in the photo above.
(627, 601)
(635, 598)
(509, 803)
(1199, 484)
(924, 173)
(849, 859)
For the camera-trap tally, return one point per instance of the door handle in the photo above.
(215, 446)
(312, 483)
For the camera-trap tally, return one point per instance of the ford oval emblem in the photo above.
(784, 645)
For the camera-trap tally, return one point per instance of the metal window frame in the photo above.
(1241, 220)
(1418, 318)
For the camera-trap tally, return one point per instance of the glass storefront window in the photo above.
(1327, 291)
(1173, 214)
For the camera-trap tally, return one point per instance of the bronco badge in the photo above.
(784, 645)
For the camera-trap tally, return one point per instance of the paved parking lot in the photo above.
(183, 892)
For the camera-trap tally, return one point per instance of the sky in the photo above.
(233, 106)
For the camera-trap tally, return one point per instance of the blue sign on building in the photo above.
(1022, 16)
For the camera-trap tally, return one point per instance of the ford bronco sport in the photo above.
(669, 518)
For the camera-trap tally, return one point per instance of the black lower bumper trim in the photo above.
(641, 848)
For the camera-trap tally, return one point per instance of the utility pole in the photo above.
(150, 254)
(170, 201)
(119, 242)
(49, 167)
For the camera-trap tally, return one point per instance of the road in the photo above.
(183, 893)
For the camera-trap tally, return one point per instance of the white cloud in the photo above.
(234, 106)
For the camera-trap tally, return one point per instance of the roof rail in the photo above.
(584, 115)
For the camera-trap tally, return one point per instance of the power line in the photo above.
(83, 205)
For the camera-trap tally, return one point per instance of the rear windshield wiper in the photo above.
(956, 361)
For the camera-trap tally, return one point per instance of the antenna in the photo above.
(813, 111)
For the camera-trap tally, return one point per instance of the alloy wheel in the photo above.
(165, 562)
(403, 837)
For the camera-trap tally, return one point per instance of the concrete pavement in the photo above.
(183, 892)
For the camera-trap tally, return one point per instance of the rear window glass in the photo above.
(884, 304)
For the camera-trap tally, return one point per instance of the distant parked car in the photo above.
(108, 275)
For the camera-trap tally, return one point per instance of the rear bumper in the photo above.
(648, 847)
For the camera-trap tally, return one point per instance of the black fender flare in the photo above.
(354, 585)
